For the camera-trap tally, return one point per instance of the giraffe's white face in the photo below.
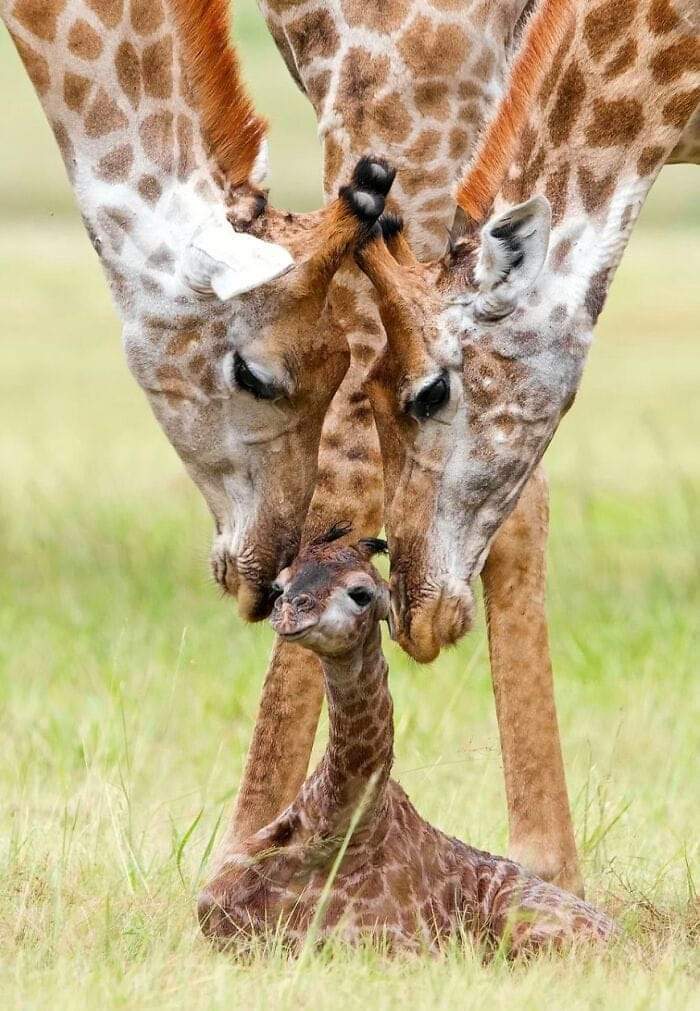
(474, 401)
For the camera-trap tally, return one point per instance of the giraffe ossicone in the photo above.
(351, 857)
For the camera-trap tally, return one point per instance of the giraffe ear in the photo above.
(513, 250)
(226, 263)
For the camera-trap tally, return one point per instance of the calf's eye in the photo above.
(361, 595)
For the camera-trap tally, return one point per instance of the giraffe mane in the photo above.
(232, 126)
(485, 173)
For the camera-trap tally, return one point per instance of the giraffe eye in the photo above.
(431, 398)
(248, 381)
(361, 595)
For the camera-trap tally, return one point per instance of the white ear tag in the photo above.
(230, 263)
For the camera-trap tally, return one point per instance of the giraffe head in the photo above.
(463, 416)
(486, 346)
(331, 595)
(275, 361)
(222, 297)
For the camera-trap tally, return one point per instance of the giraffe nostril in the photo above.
(304, 602)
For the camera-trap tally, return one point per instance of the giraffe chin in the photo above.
(437, 622)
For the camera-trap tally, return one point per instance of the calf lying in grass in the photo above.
(351, 856)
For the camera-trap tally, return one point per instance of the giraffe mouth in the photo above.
(292, 631)
(438, 620)
(294, 636)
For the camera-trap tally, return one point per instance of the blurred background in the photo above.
(119, 664)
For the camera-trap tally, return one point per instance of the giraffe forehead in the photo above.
(318, 577)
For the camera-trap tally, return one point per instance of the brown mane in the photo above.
(543, 36)
(231, 125)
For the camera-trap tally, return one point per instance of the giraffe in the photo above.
(418, 79)
(216, 290)
(351, 856)
(488, 344)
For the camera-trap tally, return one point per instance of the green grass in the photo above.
(128, 689)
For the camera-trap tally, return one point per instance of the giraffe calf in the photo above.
(397, 879)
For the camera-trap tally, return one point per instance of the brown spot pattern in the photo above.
(459, 143)
(675, 60)
(39, 16)
(146, 16)
(426, 47)
(680, 108)
(426, 146)
(110, 12)
(391, 119)
(661, 17)
(185, 147)
(567, 105)
(104, 116)
(183, 340)
(156, 132)
(313, 35)
(332, 161)
(649, 159)
(557, 191)
(162, 259)
(594, 192)
(317, 88)
(65, 146)
(35, 65)
(149, 189)
(623, 59)
(616, 122)
(606, 23)
(75, 90)
(596, 294)
(157, 68)
(83, 41)
(128, 69)
(378, 17)
(116, 166)
(432, 100)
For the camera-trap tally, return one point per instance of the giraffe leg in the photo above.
(514, 580)
(524, 914)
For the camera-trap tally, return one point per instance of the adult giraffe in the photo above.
(417, 78)
(236, 354)
(488, 344)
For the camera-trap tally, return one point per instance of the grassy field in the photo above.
(127, 688)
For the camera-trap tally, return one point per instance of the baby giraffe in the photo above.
(397, 879)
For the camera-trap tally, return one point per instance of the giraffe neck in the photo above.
(411, 79)
(610, 109)
(111, 79)
(357, 763)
